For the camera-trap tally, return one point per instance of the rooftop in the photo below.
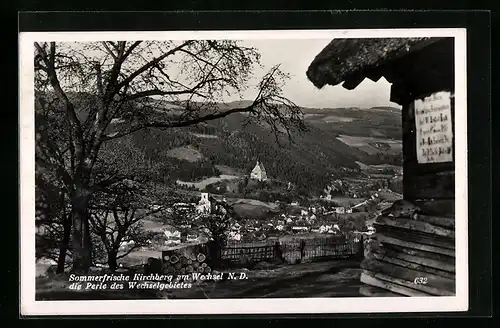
(352, 60)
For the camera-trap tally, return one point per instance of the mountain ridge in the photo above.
(336, 140)
(309, 160)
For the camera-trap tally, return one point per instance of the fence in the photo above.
(291, 251)
(246, 254)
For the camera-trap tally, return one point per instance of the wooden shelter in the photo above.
(411, 257)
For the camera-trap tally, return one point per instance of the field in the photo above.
(205, 136)
(346, 201)
(227, 174)
(389, 196)
(188, 153)
(223, 169)
(335, 139)
(201, 185)
(377, 167)
(372, 145)
(384, 122)
(335, 119)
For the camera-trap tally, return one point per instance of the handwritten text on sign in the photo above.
(434, 128)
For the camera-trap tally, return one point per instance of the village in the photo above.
(204, 195)
(323, 217)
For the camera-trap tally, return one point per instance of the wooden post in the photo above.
(302, 249)
(361, 248)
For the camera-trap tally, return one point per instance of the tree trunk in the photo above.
(215, 253)
(113, 264)
(82, 248)
(61, 261)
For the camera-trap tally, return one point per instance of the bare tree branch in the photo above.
(152, 63)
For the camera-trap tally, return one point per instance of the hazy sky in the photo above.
(295, 57)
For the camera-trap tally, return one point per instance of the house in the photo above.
(340, 210)
(259, 235)
(361, 207)
(204, 205)
(294, 203)
(300, 228)
(172, 233)
(315, 229)
(233, 235)
(236, 227)
(304, 212)
(258, 172)
(126, 245)
(421, 71)
(191, 237)
(371, 230)
(181, 205)
(155, 208)
(325, 228)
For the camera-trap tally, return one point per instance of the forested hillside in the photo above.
(308, 160)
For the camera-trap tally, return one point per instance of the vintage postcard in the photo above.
(242, 172)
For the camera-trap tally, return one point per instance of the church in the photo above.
(204, 205)
(259, 172)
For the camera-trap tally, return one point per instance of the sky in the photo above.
(295, 55)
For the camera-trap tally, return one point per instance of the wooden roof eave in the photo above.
(374, 72)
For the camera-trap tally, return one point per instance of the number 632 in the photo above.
(420, 280)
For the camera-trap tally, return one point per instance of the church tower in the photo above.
(259, 172)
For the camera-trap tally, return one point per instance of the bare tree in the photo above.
(53, 220)
(115, 218)
(213, 222)
(217, 223)
(107, 90)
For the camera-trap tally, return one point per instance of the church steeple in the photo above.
(259, 172)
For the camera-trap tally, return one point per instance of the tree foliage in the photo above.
(116, 215)
(94, 93)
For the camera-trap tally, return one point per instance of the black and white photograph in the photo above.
(243, 172)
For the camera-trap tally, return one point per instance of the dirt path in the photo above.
(327, 279)
(322, 279)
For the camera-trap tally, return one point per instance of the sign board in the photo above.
(434, 130)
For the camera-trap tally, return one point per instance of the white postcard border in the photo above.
(235, 306)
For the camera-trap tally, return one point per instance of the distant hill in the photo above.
(337, 139)
(308, 162)
(381, 122)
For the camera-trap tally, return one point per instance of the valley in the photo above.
(336, 141)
